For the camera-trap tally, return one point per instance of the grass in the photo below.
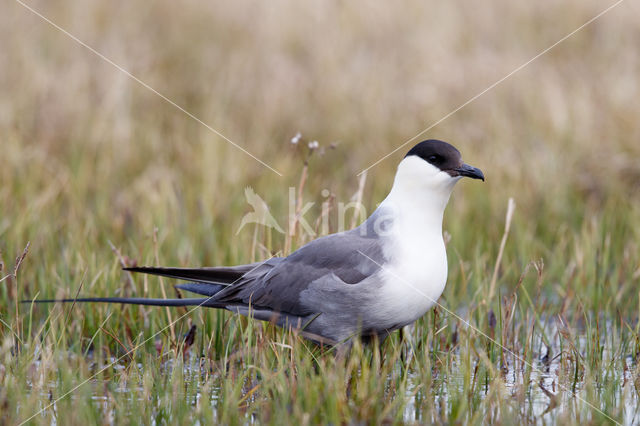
(97, 171)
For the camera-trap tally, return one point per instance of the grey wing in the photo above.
(209, 280)
(337, 258)
(217, 275)
(249, 273)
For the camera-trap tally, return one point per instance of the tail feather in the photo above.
(216, 275)
(204, 301)
(204, 289)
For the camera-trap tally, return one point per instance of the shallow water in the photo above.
(546, 397)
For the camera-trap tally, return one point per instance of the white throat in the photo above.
(418, 198)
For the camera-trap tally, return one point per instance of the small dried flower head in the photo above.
(296, 138)
(313, 145)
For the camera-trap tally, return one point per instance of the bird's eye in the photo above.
(433, 158)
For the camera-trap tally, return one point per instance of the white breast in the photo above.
(413, 280)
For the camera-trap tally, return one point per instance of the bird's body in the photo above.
(368, 281)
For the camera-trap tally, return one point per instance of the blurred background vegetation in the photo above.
(89, 157)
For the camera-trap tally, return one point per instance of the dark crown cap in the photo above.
(441, 154)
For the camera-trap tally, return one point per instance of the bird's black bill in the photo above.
(470, 171)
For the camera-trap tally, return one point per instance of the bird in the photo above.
(362, 283)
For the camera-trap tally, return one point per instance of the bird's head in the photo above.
(436, 165)
(423, 184)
